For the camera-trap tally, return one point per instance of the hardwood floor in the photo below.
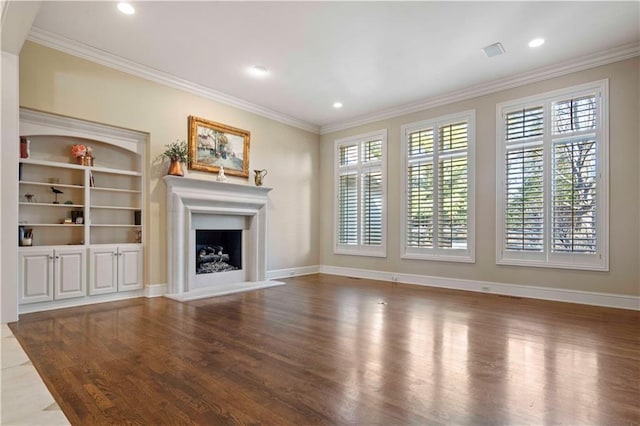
(334, 350)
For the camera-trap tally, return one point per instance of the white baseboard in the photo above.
(533, 292)
(155, 290)
(292, 272)
(81, 301)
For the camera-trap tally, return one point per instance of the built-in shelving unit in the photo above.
(108, 196)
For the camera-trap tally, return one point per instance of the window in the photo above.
(360, 167)
(552, 201)
(438, 182)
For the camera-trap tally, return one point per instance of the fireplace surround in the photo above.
(199, 204)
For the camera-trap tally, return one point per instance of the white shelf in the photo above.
(40, 225)
(130, 191)
(79, 167)
(60, 185)
(24, 203)
(105, 225)
(115, 208)
(52, 164)
(115, 171)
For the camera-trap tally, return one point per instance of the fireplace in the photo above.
(218, 250)
(210, 223)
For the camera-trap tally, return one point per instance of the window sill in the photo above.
(603, 267)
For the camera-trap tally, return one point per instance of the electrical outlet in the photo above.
(486, 289)
(394, 279)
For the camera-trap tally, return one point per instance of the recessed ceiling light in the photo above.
(536, 42)
(126, 8)
(258, 71)
(337, 105)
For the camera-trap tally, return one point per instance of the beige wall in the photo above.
(59, 83)
(623, 277)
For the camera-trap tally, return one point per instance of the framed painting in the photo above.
(212, 145)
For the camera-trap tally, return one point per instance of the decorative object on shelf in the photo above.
(77, 216)
(213, 145)
(27, 237)
(30, 198)
(137, 217)
(221, 176)
(56, 191)
(92, 183)
(25, 148)
(259, 175)
(138, 236)
(67, 221)
(68, 202)
(83, 154)
(178, 153)
(53, 180)
(20, 172)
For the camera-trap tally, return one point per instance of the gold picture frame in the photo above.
(212, 145)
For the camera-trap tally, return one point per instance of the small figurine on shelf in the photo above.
(56, 191)
(29, 198)
(221, 176)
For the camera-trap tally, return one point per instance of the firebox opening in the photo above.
(218, 250)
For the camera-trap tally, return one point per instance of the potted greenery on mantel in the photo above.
(178, 153)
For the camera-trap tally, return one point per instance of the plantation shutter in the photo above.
(574, 176)
(452, 186)
(372, 207)
(420, 197)
(437, 186)
(554, 199)
(348, 209)
(524, 180)
(360, 196)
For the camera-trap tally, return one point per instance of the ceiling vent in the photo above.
(494, 49)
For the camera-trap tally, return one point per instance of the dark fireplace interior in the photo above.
(218, 250)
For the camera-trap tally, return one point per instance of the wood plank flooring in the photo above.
(335, 350)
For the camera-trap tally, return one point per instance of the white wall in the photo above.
(56, 82)
(9, 153)
(623, 278)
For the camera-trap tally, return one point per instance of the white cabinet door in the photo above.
(103, 267)
(35, 275)
(129, 268)
(70, 273)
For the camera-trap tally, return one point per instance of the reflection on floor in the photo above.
(25, 398)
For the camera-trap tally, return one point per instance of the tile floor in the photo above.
(24, 398)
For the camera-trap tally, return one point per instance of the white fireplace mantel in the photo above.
(186, 197)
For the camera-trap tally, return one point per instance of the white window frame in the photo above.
(441, 254)
(546, 259)
(360, 249)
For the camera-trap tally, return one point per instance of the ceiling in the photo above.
(371, 56)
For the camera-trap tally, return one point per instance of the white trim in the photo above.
(44, 123)
(80, 301)
(467, 255)
(84, 51)
(222, 290)
(155, 290)
(81, 50)
(596, 262)
(359, 249)
(609, 56)
(292, 272)
(532, 292)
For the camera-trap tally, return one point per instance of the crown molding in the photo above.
(81, 50)
(578, 64)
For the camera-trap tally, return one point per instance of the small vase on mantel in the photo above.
(175, 168)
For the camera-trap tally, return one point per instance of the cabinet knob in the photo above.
(57, 257)
(50, 257)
